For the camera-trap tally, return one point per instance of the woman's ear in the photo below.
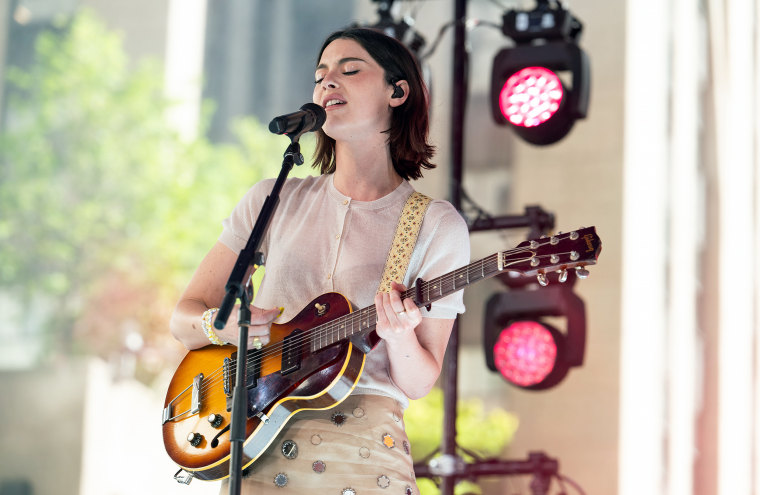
(400, 93)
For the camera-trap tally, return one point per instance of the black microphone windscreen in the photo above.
(319, 115)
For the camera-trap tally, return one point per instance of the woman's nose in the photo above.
(328, 82)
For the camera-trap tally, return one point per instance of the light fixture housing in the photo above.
(521, 344)
(541, 109)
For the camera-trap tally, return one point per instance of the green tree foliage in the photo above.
(104, 209)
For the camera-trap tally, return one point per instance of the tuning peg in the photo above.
(581, 272)
(554, 259)
(554, 240)
(534, 245)
(562, 276)
(573, 235)
(541, 277)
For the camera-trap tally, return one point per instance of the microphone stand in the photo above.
(236, 290)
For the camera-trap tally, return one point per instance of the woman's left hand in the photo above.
(396, 319)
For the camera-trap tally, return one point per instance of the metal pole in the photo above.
(448, 443)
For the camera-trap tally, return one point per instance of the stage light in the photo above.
(522, 342)
(540, 87)
(402, 29)
(525, 352)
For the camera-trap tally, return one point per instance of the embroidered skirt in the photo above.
(357, 447)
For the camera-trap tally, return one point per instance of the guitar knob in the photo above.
(194, 438)
(562, 276)
(215, 420)
(581, 272)
(542, 279)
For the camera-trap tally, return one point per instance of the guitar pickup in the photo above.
(253, 373)
(291, 352)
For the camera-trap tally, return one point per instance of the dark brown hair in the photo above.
(408, 134)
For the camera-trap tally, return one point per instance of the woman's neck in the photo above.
(364, 173)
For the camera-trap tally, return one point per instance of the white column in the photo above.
(185, 38)
(736, 87)
(685, 239)
(644, 325)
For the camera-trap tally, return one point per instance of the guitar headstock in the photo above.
(558, 253)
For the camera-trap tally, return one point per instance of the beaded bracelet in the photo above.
(208, 329)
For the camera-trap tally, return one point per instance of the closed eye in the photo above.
(348, 73)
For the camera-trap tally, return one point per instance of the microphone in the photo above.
(309, 118)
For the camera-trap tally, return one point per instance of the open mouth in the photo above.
(334, 102)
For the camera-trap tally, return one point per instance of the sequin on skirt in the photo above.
(346, 450)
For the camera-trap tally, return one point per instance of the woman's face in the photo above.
(351, 87)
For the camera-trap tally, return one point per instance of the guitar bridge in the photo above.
(196, 398)
(226, 377)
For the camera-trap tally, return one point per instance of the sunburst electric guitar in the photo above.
(315, 360)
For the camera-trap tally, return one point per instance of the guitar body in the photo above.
(196, 429)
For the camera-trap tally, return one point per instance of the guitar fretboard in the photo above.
(427, 292)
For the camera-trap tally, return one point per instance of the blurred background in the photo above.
(129, 130)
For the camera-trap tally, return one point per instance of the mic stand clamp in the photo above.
(235, 289)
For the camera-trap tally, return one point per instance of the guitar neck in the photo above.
(538, 257)
(423, 294)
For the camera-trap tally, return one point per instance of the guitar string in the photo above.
(325, 330)
(445, 280)
(361, 318)
(331, 327)
(349, 320)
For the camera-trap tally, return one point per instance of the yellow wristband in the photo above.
(208, 329)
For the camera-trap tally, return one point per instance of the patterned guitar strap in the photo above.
(407, 230)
